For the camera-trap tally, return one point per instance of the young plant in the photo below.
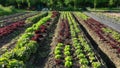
(67, 53)
(91, 54)
(83, 61)
(67, 48)
(58, 48)
(22, 53)
(96, 64)
(84, 66)
(58, 56)
(60, 44)
(57, 52)
(92, 58)
(81, 55)
(3, 62)
(15, 64)
(78, 46)
(32, 45)
(78, 51)
(68, 58)
(68, 64)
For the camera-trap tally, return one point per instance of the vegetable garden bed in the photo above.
(107, 44)
(70, 48)
(57, 40)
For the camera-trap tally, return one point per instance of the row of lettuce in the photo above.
(107, 38)
(16, 18)
(62, 51)
(79, 51)
(106, 34)
(107, 30)
(7, 29)
(24, 46)
(83, 51)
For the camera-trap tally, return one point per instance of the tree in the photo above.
(59, 3)
(67, 2)
(2, 2)
(111, 2)
(95, 3)
(75, 3)
(117, 2)
(29, 3)
(18, 3)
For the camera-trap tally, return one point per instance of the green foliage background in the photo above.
(60, 4)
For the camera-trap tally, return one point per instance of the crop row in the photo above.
(114, 34)
(15, 19)
(35, 18)
(12, 15)
(8, 29)
(24, 47)
(12, 27)
(78, 53)
(84, 52)
(103, 36)
(62, 51)
(102, 32)
(19, 30)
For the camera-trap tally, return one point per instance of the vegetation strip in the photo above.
(14, 29)
(112, 45)
(17, 18)
(86, 56)
(24, 47)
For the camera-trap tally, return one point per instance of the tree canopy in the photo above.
(61, 3)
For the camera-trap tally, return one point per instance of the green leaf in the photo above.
(3, 62)
(83, 61)
(15, 64)
(81, 55)
(58, 56)
(68, 64)
(78, 51)
(57, 52)
(96, 64)
(68, 58)
(60, 45)
(67, 53)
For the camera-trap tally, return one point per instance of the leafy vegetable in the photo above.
(67, 48)
(84, 66)
(83, 61)
(22, 53)
(58, 48)
(60, 44)
(68, 58)
(3, 62)
(32, 45)
(15, 64)
(57, 52)
(58, 56)
(67, 53)
(68, 64)
(91, 58)
(91, 54)
(35, 18)
(96, 65)
(81, 55)
(78, 51)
